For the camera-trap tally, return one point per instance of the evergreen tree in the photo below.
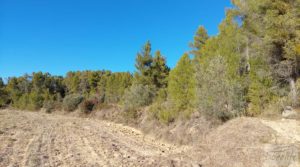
(4, 98)
(72, 82)
(117, 83)
(199, 41)
(143, 64)
(219, 83)
(181, 86)
(160, 71)
(274, 26)
(1, 83)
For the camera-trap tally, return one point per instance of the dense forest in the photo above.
(250, 67)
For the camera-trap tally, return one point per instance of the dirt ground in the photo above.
(40, 139)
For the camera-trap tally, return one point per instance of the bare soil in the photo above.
(40, 139)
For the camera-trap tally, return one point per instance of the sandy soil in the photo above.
(37, 139)
(287, 129)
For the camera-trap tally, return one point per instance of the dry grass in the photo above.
(239, 142)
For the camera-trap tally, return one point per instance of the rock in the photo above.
(289, 113)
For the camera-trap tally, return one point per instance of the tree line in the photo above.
(252, 65)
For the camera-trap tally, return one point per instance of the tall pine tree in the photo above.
(143, 64)
(199, 41)
(160, 71)
(181, 88)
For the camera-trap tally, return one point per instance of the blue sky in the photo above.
(57, 36)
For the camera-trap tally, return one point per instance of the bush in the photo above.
(4, 98)
(36, 101)
(219, 95)
(71, 102)
(163, 112)
(138, 96)
(88, 105)
(22, 102)
(49, 106)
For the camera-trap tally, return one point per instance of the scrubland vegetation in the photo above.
(251, 65)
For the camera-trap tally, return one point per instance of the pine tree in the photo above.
(220, 85)
(274, 26)
(72, 82)
(160, 71)
(4, 98)
(199, 41)
(181, 86)
(143, 64)
(151, 71)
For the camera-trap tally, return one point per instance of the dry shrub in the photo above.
(49, 106)
(87, 106)
(182, 131)
(108, 112)
(71, 102)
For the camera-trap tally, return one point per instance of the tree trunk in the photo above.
(247, 57)
(293, 91)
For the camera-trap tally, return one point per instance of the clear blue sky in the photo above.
(57, 36)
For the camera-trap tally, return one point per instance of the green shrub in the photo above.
(163, 112)
(71, 102)
(36, 101)
(88, 105)
(138, 96)
(219, 94)
(22, 102)
(4, 98)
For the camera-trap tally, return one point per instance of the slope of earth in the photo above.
(38, 139)
(248, 142)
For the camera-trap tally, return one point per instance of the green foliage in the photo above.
(272, 28)
(108, 86)
(261, 90)
(71, 102)
(4, 96)
(36, 101)
(199, 41)
(152, 71)
(138, 96)
(219, 96)
(30, 91)
(221, 75)
(116, 85)
(181, 89)
(22, 102)
(163, 112)
(159, 71)
(72, 82)
(143, 64)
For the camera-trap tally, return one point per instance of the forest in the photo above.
(252, 66)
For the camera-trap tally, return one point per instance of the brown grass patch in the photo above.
(238, 142)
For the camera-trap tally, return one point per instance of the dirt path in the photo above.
(287, 129)
(37, 139)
